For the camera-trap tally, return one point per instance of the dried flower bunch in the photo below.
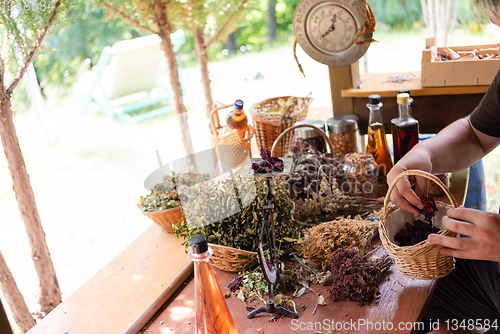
(214, 210)
(164, 194)
(320, 241)
(412, 234)
(268, 164)
(355, 276)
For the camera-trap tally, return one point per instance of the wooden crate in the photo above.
(458, 72)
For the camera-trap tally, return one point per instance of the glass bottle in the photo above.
(404, 129)
(377, 141)
(212, 313)
(237, 119)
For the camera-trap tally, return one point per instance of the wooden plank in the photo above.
(122, 296)
(401, 301)
(340, 78)
(375, 84)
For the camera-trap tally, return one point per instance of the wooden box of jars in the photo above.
(473, 65)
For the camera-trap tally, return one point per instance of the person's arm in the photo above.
(454, 148)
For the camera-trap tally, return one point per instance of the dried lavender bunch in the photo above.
(354, 276)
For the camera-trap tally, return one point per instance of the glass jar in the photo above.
(360, 175)
(306, 136)
(344, 134)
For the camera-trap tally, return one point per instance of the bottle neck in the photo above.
(404, 111)
(375, 114)
(238, 112)
(203, 257)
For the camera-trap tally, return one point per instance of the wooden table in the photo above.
(149, 282)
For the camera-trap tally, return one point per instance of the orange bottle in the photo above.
(237, 119)
(212, 313)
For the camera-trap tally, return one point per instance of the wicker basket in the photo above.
(422, 260)
(166, 218)
(267, 129)
(285, 133)
(232, 155)
(232, 259)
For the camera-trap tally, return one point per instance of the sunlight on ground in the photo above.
(87, 171)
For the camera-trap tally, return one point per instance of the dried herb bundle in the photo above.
(321, 241)
(355, 276)
(164, 194)
(214, 210)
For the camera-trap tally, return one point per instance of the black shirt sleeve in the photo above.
(486, 117)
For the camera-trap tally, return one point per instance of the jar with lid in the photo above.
(309, 137)
(344, 134)
(360, 175)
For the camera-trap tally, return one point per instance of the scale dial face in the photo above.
(325, 29)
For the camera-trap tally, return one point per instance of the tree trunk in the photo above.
(230, 45)
(50, 294)
(164, 33)
(272, 24)
(14, 298)
(201, 53)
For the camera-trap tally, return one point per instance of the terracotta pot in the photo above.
(166, 218)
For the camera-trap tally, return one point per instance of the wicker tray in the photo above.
(422, 260)
(267, 129)
(166, 218)
(232, 259)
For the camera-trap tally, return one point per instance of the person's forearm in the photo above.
(454, 148)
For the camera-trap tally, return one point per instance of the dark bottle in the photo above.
(377, 141)
(212, 313)
(404, 129)
(237, 119)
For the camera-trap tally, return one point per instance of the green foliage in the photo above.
(21, 25)
(397, 13)
(84, 36)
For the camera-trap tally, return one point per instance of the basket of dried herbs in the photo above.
(274, 115)
(229, 213)
(405, 237)
(163, 205)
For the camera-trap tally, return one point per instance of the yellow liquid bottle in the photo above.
(377, 141)
(237, 119)
(212, 313)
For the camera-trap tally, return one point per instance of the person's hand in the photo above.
(402, 195)
(482, 229)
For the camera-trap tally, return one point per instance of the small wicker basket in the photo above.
(166, 218)
(232, 259)
(267, 129)
(423, 260)
(234, 157)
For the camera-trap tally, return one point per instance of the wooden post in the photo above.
(14, 299)
(343, 78)
(4, 322)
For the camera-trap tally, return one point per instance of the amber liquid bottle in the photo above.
(404, 129)
(212, 313)
(237, 119)
(377, 141)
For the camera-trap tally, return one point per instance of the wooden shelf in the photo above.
(377, 84)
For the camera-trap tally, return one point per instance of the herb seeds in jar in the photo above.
(307, 136)
(360, 175)
(343, 131)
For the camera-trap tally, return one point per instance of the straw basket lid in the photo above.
(422, 260)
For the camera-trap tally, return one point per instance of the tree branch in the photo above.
(33, 52)
(128, 18)
(219, 33)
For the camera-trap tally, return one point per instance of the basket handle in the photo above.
(426, 175)
(214, 116)
(275, 144)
